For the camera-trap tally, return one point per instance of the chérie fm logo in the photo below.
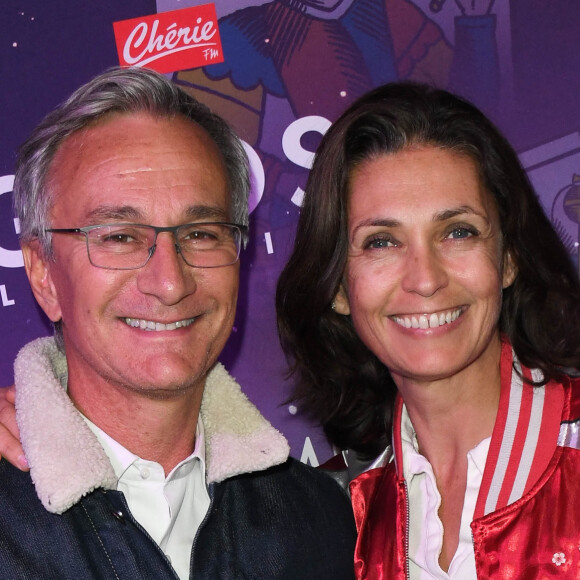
(170, 41)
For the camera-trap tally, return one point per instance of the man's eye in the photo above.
(203, 235)
(198, 236)
(121, 237)
(118, 239)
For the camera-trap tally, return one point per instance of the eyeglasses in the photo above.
(130, 246)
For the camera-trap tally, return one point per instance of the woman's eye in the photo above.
(379, 243)
(461, 233)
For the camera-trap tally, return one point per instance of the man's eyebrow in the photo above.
(106, 213)
(207, 212)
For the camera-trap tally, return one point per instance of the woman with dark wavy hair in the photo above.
(430, 311)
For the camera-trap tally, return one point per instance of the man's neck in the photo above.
(156, 429)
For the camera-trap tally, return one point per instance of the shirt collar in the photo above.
(414, 463)
(121, 458)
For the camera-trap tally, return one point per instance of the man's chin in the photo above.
(166, 377)
(167, 392)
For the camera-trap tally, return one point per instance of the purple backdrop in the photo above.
(287, 73)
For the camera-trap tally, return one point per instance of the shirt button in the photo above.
(145, 473)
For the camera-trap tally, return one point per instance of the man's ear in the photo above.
(38, 272)
(341, 303)
(510, 270)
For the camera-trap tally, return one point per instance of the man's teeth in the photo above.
(157, 326)
(428, 320)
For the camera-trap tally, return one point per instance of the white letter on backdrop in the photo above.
(294, 150)
(9, 258)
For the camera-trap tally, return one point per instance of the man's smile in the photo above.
(157, 326)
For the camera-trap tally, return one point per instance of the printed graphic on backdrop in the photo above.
(554, 169)
(171, 41)
(280, 72)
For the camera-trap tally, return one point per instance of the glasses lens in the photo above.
(120, 247)
(209, 245)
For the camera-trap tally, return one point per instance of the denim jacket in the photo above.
(270, 517)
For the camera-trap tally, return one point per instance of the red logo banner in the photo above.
(170, 41)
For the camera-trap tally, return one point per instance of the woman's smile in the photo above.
(425, 320)
(425, 253)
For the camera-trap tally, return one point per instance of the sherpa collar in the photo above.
(66, 459)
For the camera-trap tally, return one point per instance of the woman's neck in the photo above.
(452, 415)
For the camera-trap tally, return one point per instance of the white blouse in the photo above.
(426, 529)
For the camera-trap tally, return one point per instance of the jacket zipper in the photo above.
(132, 519)
(408, 518)
(211, 492)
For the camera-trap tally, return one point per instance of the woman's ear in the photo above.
(510, 270)
(38, 272)
(341, 304)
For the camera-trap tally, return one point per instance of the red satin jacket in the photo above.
(527, 519)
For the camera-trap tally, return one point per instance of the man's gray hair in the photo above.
(118, 90)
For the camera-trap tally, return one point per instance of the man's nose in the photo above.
(166, 275)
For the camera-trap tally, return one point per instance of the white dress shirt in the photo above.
(170, 508)
(426, 529)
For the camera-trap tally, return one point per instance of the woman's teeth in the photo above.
(428, 320)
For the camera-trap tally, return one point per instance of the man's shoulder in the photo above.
(15, 485)
(306, 488)
(295, 474)
(19, 504)
(303, 520)
(318, 477)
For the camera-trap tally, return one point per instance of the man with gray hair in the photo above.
(146, 460)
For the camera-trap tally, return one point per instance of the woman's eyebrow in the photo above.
(377, 222)
(457, 211)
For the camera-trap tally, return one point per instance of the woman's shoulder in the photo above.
(347, 465)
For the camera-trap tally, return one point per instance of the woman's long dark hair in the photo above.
(338, 380)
